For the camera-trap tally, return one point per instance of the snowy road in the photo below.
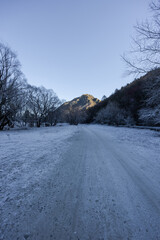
(83, 183)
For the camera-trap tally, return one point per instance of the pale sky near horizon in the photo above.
(72, 46)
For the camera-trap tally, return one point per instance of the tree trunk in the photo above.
(38, 123)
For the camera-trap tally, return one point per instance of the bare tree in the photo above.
(11, 85)
(145, 53)
(41, 102)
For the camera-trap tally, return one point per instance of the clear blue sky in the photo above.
(72, 46)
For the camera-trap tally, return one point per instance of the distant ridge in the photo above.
(80, 103)
(77, 105)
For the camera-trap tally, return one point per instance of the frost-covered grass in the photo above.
(26, 157)
(138, 137)
(143, 142)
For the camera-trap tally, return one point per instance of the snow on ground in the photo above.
(26, 157)
(144, 142)
(80, 182)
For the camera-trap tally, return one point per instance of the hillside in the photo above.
(132, 101)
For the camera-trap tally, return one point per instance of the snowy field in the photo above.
(85, 182)
(26, 158)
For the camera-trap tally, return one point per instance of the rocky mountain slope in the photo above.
(80, 103)
(75, 108)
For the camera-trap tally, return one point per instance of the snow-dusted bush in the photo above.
(150, 113)
(114, 115)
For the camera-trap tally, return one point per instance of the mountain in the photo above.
(80, 103)
(76, 108)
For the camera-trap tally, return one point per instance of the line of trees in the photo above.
(20, 102)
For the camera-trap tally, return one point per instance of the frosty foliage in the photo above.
(112, 114)
(150, 114)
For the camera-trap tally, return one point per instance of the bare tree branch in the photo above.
(145, 53)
